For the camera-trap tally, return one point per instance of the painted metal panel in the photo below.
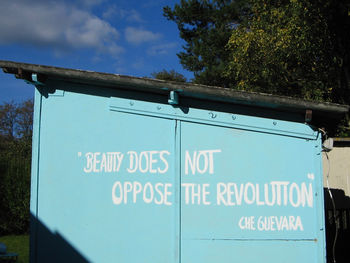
(249, 196)
(104, 183)
(213, 117)
(121, 180)
(250, 251)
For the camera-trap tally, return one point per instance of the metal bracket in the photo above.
(173, 98)
(57, 93)
(34, 80)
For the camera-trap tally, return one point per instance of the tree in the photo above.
(16, 121)
(15, 159)
(171, 75)
(297, 48)
(8, 116)
(25, 119)
(206, 27)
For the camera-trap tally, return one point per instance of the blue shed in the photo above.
(138, 170)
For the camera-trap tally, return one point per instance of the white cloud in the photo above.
(134, 16)
(137, 35)
(110, 13)
(161, 49)
(114, 12)
(55, 25)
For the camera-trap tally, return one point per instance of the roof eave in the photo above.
(23, 70)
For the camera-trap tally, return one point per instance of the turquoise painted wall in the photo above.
(125, 177)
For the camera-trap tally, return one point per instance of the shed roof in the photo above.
(323, 110)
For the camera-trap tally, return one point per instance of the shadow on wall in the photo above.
(47, 246)
(338, 218)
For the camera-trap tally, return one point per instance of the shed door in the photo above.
(106, 187)
(246, 196)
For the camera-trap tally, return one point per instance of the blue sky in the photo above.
(129, 37)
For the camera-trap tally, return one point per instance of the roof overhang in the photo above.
(319, 109)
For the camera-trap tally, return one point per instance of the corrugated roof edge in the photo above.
(21, 70)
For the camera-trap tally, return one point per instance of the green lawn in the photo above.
(17, 244)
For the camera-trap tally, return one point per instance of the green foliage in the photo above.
(206, 26)
(15, 194)
(8, 115)
(296, 48)
(170, 75)
(15, 159)
(19, 245)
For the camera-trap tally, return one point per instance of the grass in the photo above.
(17, 244)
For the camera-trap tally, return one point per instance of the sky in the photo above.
(128, 37)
